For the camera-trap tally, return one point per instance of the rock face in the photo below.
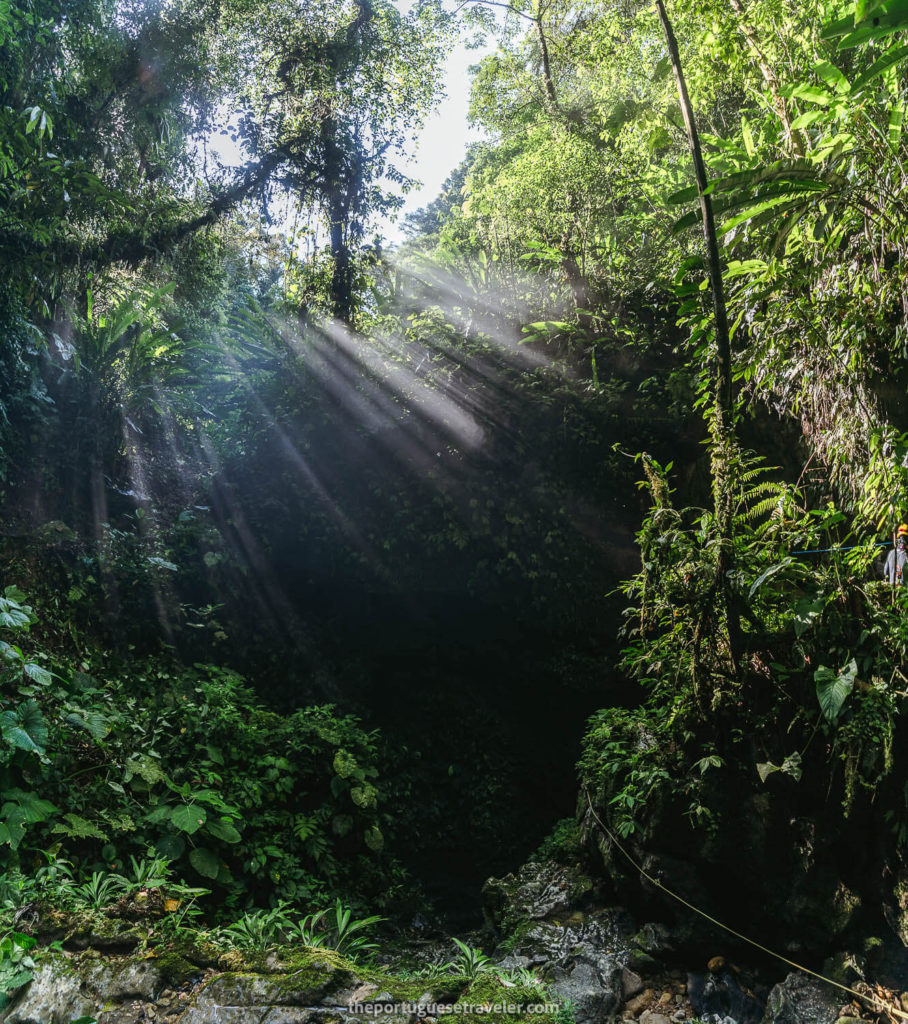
(60, 992)
(581, 960)
(55, 996)
(282, 999)
(128, 991)
(310, 987)
(580, 955)
(536, 892)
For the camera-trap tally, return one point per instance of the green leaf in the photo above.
(172, 846)
(833, 688)
(14, 821)
(224, 830)
(747, 136)
(811, 117)
(811, 94)
(685, 195)
(35, 808)
(159, 814)
(188, 818)
(896, 122)
(790, 766)
(831, 75)
(688, 220)
(889, 58)
(25, 727)
(767, 574)
(146, 768)
(95, 724)
(885, 23)
(864, 8)
(806, 612)
(342, 824)
(39, 674)
(205, 862)
(79, 828)
(14, 615)
(23, 941)
(19, 977)
(374, 839)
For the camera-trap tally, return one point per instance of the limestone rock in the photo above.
(138, 979)
(648, 1017)
(717, 995)
(54, 996)
(582, 960)
(63, 990)
(539, 890)
(631, 983)
(654, 939)
(639, 1002)
(304, 989)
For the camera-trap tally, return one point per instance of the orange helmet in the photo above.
(903, 530)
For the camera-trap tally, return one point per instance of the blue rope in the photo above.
(822, 551)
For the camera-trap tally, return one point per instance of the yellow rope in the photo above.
(881, 1004)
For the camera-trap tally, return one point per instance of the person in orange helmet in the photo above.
(895, 571)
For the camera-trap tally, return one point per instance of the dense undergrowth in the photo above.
(107, 758)
(781, 754)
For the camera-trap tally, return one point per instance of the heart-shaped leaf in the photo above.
(188, 818)
(833, 688)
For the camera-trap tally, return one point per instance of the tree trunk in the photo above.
(342, 265)
(723, 411)
(551, 97)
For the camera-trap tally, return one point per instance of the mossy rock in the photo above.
(538, 891)
(175, 969)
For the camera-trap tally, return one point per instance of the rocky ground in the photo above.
(560, 957)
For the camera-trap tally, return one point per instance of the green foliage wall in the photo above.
(106, 759)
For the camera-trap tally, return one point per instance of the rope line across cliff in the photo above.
(881, 1004)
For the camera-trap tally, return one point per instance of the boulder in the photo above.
(581, 960)
(631, 983)
(717, 995)
(800, 999)
(64, 989)
(537, 892)
(55, 995)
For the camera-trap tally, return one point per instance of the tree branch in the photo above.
(493, 3)
(133, 245)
